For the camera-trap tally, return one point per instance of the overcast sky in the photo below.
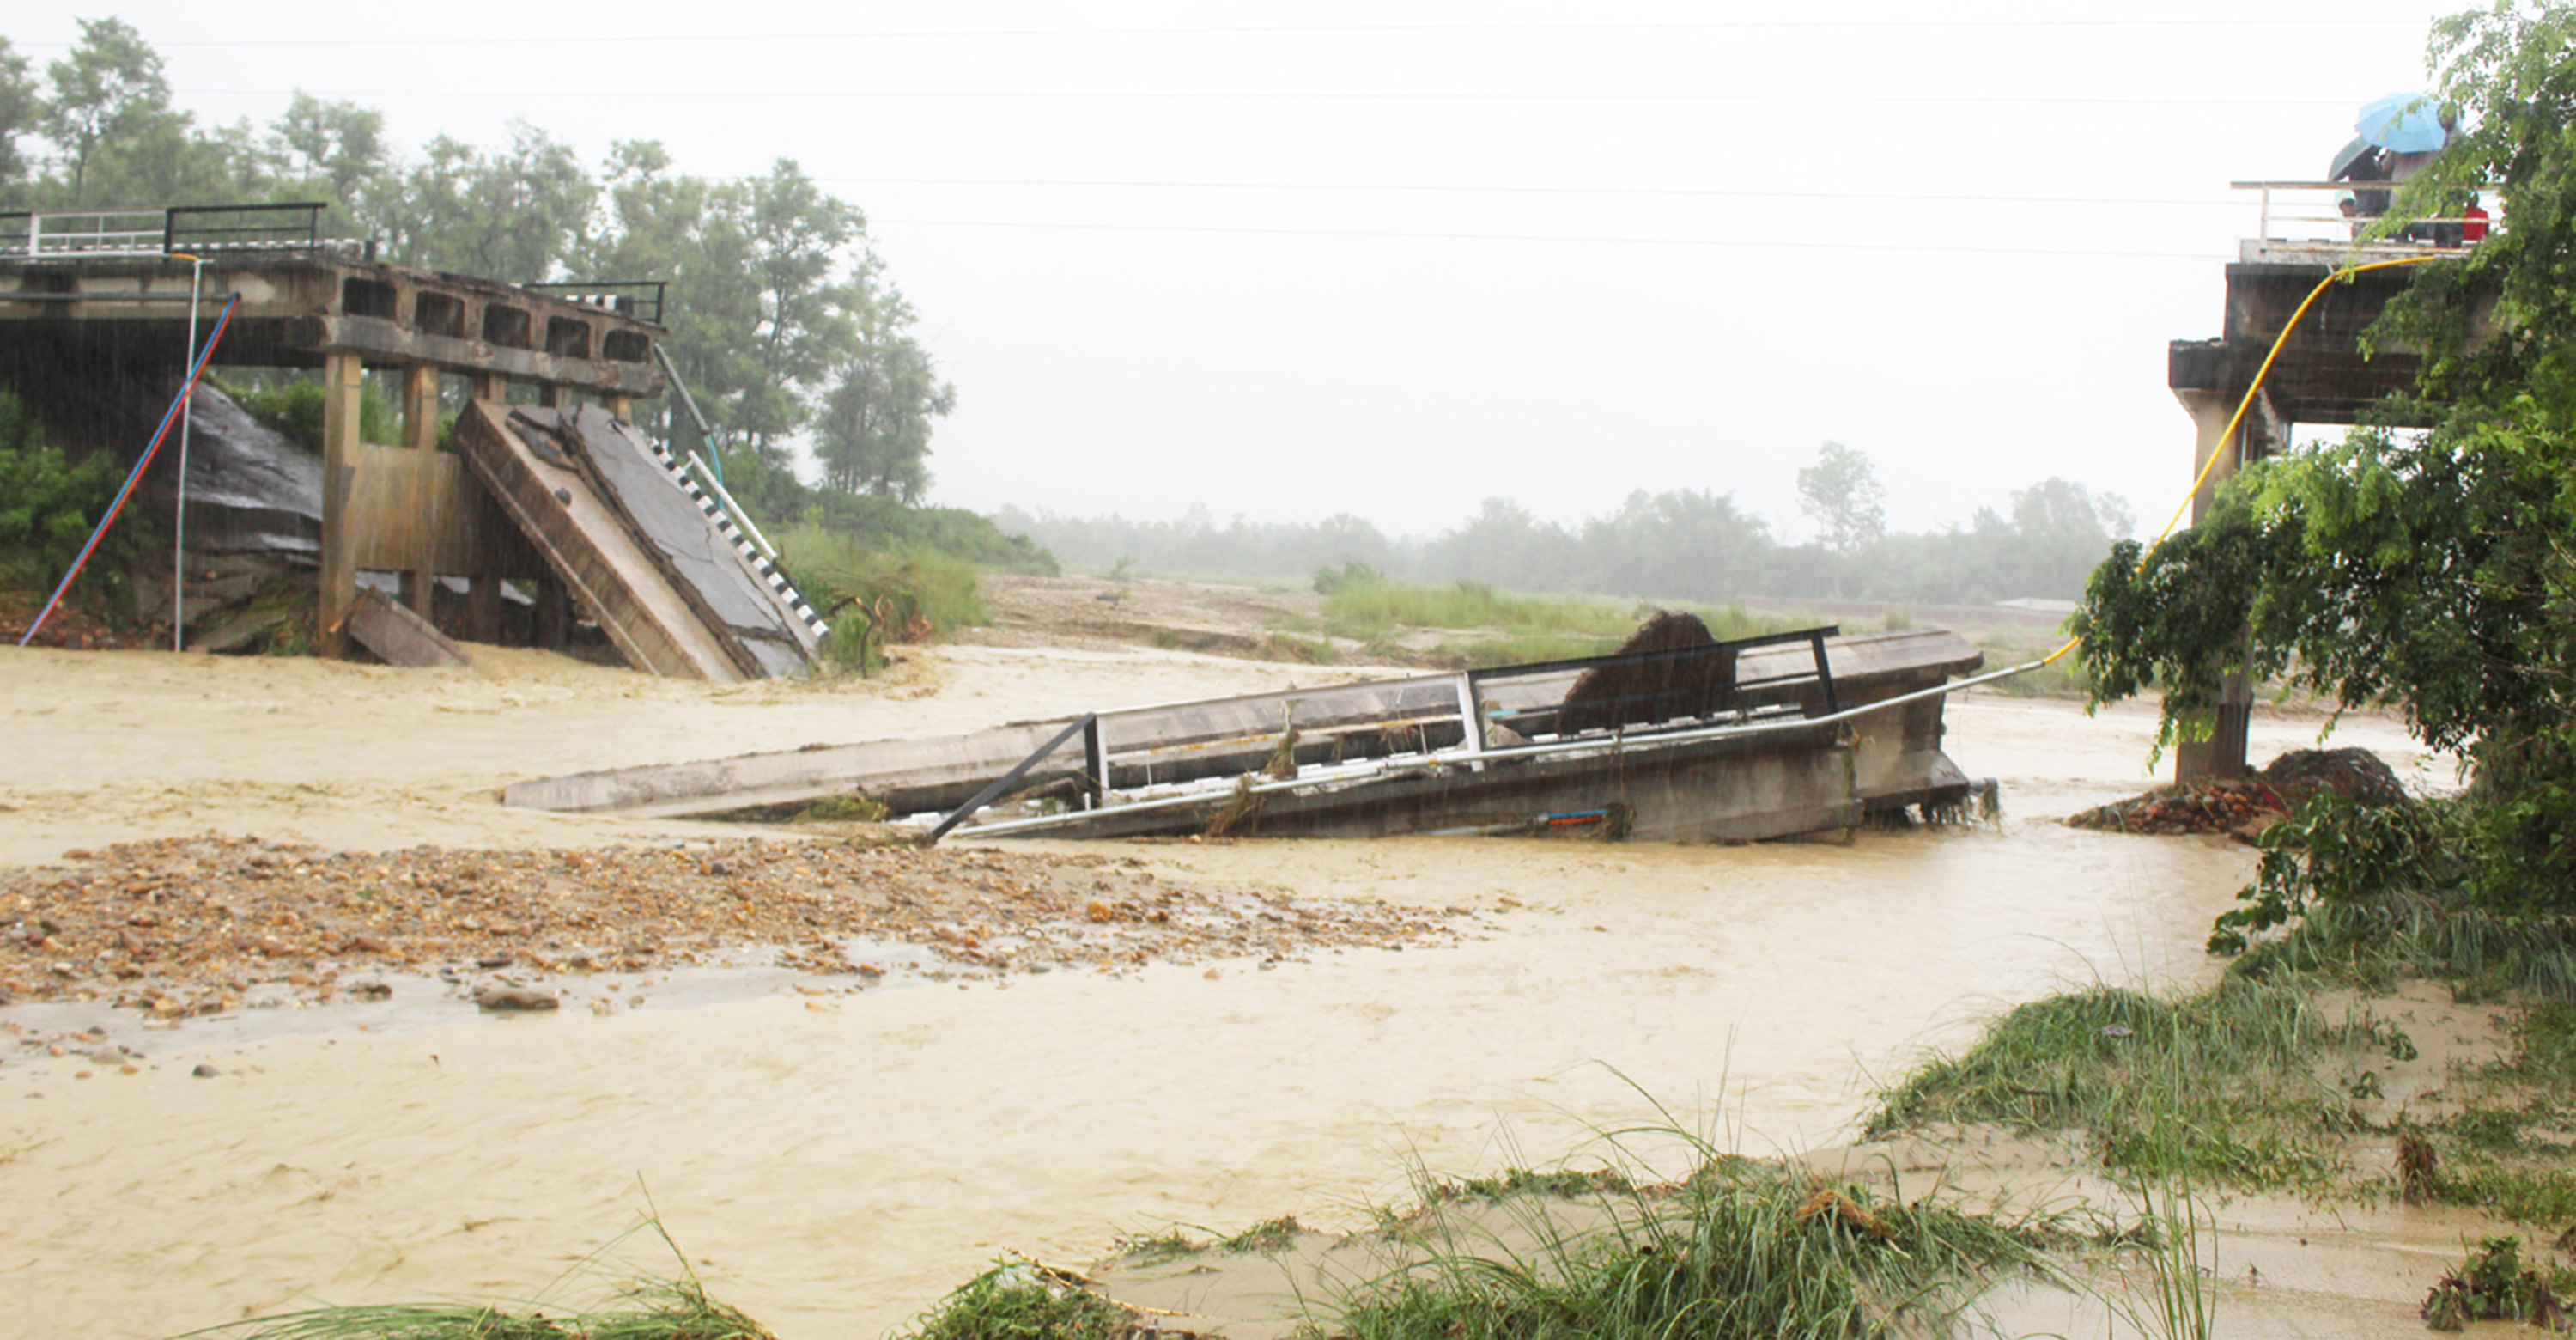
(1393, 258)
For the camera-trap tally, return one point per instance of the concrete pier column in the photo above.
(420, 407)
(420, 433)
(483, 609)
(343, 384)
(2222, 754)
(554, 612)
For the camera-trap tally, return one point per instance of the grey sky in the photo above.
(1392, 258)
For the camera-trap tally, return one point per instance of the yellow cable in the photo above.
(2247, 403)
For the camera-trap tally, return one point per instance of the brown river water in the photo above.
(834, 1165)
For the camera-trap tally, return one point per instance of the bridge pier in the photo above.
(2319, 376)
(344, 379)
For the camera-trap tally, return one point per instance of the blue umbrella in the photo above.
(2406, 123)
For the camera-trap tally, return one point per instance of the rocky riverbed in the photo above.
(195, 926)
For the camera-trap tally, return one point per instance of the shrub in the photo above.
(50, 502)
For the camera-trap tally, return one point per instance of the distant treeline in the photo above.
(1683, 544)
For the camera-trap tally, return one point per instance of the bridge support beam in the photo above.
(420, 433)
(2222, 753)
(343, 384)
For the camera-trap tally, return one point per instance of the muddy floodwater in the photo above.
(833, 1163)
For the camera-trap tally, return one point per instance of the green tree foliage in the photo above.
(796, 233)
(20, 107)
(339, 148)
(874, 432)
(2433, 569)
(513, 214)
(108, 94)
(49, 503)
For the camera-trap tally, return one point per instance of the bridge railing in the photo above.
(180, 229)
(203, 229)
(2313, 211)
(29, 235)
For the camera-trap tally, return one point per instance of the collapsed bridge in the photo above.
(547, 492)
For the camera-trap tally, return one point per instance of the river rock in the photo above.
(516, 998)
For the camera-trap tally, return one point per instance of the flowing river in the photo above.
(834, 1165)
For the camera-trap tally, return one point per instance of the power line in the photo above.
(1479, 189)
(1237, 95)
(1286, 30)
(1727, 243)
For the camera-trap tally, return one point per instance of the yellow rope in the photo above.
(2247, 403)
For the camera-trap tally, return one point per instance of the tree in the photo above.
(874, 433)
(1505, 544)
(20, 109)
(1842, 495)
(1675, 545)
(110, 87)
(796, 232)
(339, 145)
(774, 303)
(515, 215)
(2431, 568)
(2060, 530)
(684, 231)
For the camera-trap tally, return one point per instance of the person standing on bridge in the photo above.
(2404, 164)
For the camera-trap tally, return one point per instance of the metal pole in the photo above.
(179, 514)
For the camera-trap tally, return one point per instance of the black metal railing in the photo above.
(1087, 726)
(1717, 689)
(201, 229)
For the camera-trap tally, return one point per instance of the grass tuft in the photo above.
(1170, 1244)
(650, 1310)
(1019, 1300)
(1740, 1249)
(2221, 1085)
(1270, 1235)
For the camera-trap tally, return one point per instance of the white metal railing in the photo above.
(2313, 211)
(114, 232)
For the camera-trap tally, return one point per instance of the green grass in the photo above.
(2373, 940)
(1536, 1182)
(1164, 1246)
(633, 1309)
(1739, 1249)
(874, 598)
(1362, 606)
(665, 1311)
(1270, 1235)
(2497, 1153)
(1021, 1301)
(2221, 1086)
